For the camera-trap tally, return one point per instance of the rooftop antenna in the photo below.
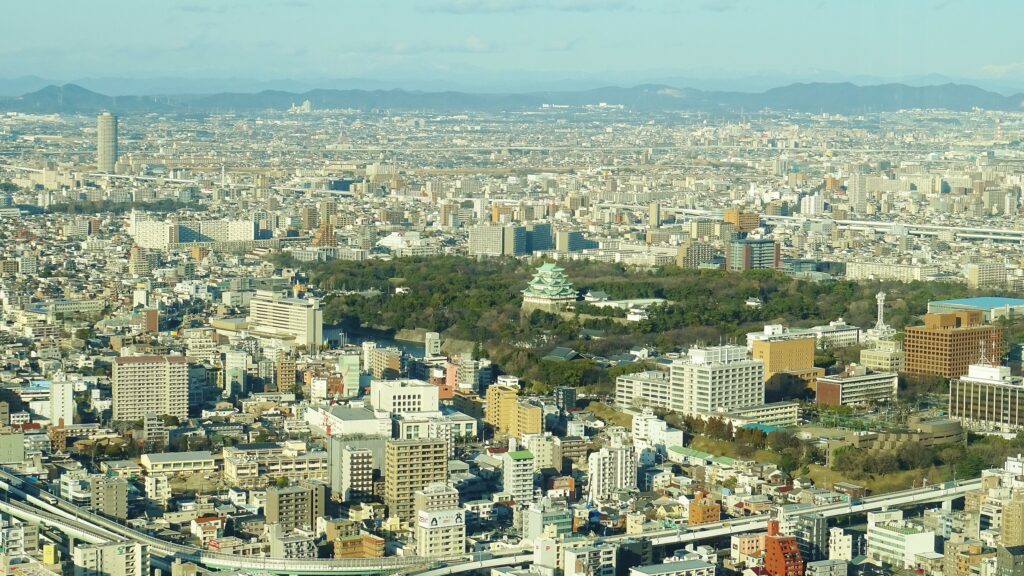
(984, 359)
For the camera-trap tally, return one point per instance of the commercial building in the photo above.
(745, 255)
(440, 522)
(404, 396)
(716, 378)
(106, 143)
(895, 542)
(143, 385)
(988, 397)
(548, 519)
(948, 343)
(297, 506)
(787, 358)
(299, 318)
(411, 465)
(113, 559)
(856, 386)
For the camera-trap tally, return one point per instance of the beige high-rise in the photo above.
(106, 143)
(411, 465)
(143, 385)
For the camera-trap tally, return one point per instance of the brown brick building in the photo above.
(948, 343)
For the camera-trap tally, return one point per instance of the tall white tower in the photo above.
(880, 299)
(106, 143)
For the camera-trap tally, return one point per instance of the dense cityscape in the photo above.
(617, 332)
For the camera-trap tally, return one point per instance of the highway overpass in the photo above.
(28, 502)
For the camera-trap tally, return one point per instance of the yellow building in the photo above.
(743, 221)
(508, 415)
(787, 359)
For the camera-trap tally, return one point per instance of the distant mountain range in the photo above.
(840, 98)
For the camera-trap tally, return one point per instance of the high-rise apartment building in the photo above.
(716, 378)
(985, 275)
(693, 253)
(143, 385)
(284, 371)
(1012, 531)
(948, 343)
(411, 465)
(610, 469)
(781, 553)
(517, 475)
(296, 507)
(106, 143)
(300, 318)
(355, 474)
(508, 415)
(107, 495)
(747, 254)
(495, 240)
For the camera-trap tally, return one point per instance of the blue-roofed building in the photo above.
(992, 307)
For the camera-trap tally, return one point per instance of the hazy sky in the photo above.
(467, 39)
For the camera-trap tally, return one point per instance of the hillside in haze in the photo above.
(840, 98)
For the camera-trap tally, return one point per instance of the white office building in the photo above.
(895, 542)
(404, 396)
(300, 318)
(715, 379)
(642, 389)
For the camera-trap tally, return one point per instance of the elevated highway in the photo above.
(30, 503)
